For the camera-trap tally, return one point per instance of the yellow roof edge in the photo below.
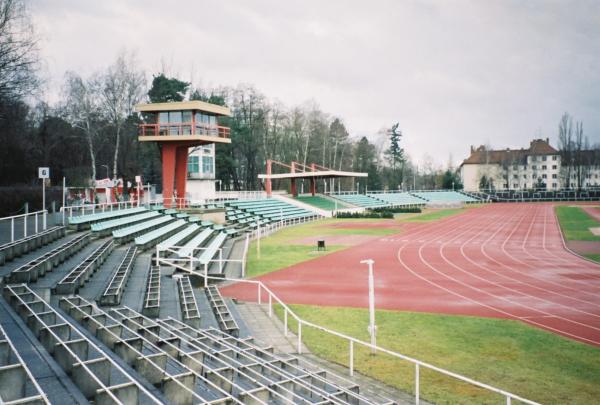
(184, 105)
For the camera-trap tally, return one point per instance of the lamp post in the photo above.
(106, 166)
(372, 328)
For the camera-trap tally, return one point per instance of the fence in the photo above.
(23, 225)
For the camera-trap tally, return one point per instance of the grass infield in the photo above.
(575, 223)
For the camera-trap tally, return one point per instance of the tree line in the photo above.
(91, 131)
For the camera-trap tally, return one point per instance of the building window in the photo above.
(554, 175)
(544, 158)
(534, 167)
(543, 176)
(515, 185)
(524, 176)
(544, 167)
(193, 164)
(515, 167)
(553, 185)
(554, 157)
(553, 167)
(207, 164)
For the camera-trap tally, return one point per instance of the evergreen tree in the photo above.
(395, 157)
(166, 89)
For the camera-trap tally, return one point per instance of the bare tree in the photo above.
(565, 146)
(82, 110)
(122, 87)
(18, 51)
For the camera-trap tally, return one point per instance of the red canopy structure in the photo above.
(302, 171)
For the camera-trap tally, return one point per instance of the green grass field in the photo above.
(278, 251)
(535, 364)
(435, 215)
(575, 223)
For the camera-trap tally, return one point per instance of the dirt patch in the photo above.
(595, 231)
(593, 212)
(584, 247)
(345, 240)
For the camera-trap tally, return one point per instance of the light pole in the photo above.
(372, 328)
(107, 176)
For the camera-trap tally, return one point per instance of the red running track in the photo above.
(501, 260)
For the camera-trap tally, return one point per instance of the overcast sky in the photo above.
(453, 73)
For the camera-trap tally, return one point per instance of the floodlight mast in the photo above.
(372, 328)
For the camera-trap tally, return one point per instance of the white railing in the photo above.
(39, 220)
(239, 195)
(272, 298)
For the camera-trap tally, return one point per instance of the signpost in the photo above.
(138, 181)
(44, 173)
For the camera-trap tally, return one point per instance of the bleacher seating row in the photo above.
(77, 277)
(444, 196)
(125, 235)
(187, 302)
(36, 268)
(106, 227)
(399, 199)
(114, 290)
(225, 321)
(159, 361)
(99, 378)
(279, 376)
(150, 239)
(268, 209)
(362, 200)
(151, 306)
(17, 384)
(85, 221)
(10, 250)
(381, 200)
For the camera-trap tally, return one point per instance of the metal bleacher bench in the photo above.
(226, 322)
(212, 248)
(188, 249)
(114, 291)
(153, 237)
(151, 306)
(96, 374)
(9, 251)
(84, 221)
(38, 267)
(77, 277)
(180, 237)
(126, 234)
(187, 301)
(106, 227)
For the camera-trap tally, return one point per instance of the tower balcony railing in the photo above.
(184, 128)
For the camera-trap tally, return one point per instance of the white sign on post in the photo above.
(138, 179)
(43, 172)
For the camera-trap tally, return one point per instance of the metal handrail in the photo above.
(183, 128)
(35, 214)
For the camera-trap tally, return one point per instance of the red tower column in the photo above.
(181, 174)
(293, 181)
(313, 182)
(168, 172)
(268, 185)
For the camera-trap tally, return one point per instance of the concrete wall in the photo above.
(200, 189)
